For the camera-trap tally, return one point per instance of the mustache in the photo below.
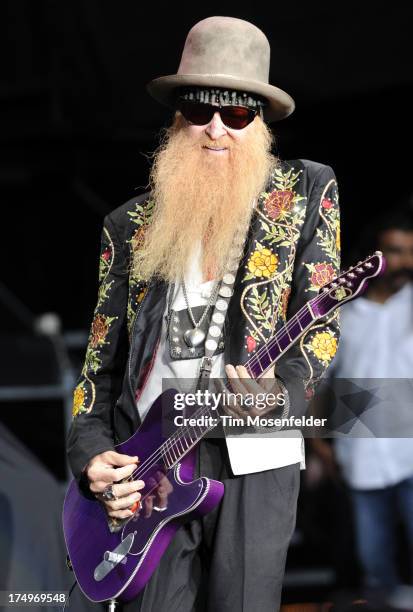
(204, 140)
(224, 141)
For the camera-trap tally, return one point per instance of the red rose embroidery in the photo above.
(251, 344)
(326, 203)
(323, 274)
(309, 393)
(100, 328)
(278, 202)
(107, 254)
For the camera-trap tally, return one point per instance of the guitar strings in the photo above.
(283, 332)
(169, 443)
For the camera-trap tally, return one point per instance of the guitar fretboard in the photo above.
(268, 354)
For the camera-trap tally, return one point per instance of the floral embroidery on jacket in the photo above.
(79, 399)
(97, 338)
(321, 274)
(106, 257)
(329, 236)
(262, 263)
(141, 217)
(271, 263)
(324, 346)
(84, 393)
(280, 214)
(285, 296)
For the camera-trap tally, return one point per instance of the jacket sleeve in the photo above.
(317, 262)
(99, 384)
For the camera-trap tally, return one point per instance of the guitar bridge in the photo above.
(112, 558)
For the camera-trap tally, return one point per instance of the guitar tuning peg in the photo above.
(349, 284)
(351, 275)
(359, 269)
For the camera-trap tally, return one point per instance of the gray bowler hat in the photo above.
(228, 53)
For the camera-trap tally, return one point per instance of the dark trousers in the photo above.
(376, 514)
(233, 559)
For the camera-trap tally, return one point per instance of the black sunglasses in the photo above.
(234, 117)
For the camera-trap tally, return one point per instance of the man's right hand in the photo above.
(109, 468)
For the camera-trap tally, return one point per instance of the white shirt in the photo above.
(377, 343)
(247, 455)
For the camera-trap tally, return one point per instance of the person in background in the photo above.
(377, 343)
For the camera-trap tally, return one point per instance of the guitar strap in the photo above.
(220, 309)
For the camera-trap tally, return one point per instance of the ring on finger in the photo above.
(108, 493)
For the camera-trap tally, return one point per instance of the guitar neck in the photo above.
(278, 344)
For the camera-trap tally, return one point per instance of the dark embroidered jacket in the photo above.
(292, 250)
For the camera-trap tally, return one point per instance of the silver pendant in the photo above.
(194, 337)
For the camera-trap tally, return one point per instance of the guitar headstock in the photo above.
(348, 285)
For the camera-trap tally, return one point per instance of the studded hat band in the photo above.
(219, 96)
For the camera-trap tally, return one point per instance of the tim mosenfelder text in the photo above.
(212, 401)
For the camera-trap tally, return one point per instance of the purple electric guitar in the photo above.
(114, 558)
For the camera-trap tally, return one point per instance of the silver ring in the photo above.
(108, 494)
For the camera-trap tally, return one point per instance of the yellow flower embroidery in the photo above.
(141, 295)
(78, 400)
(338, 241)
(324, 346)
(263, 263)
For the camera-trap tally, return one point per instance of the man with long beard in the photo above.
(218, 196)
(203, 178)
